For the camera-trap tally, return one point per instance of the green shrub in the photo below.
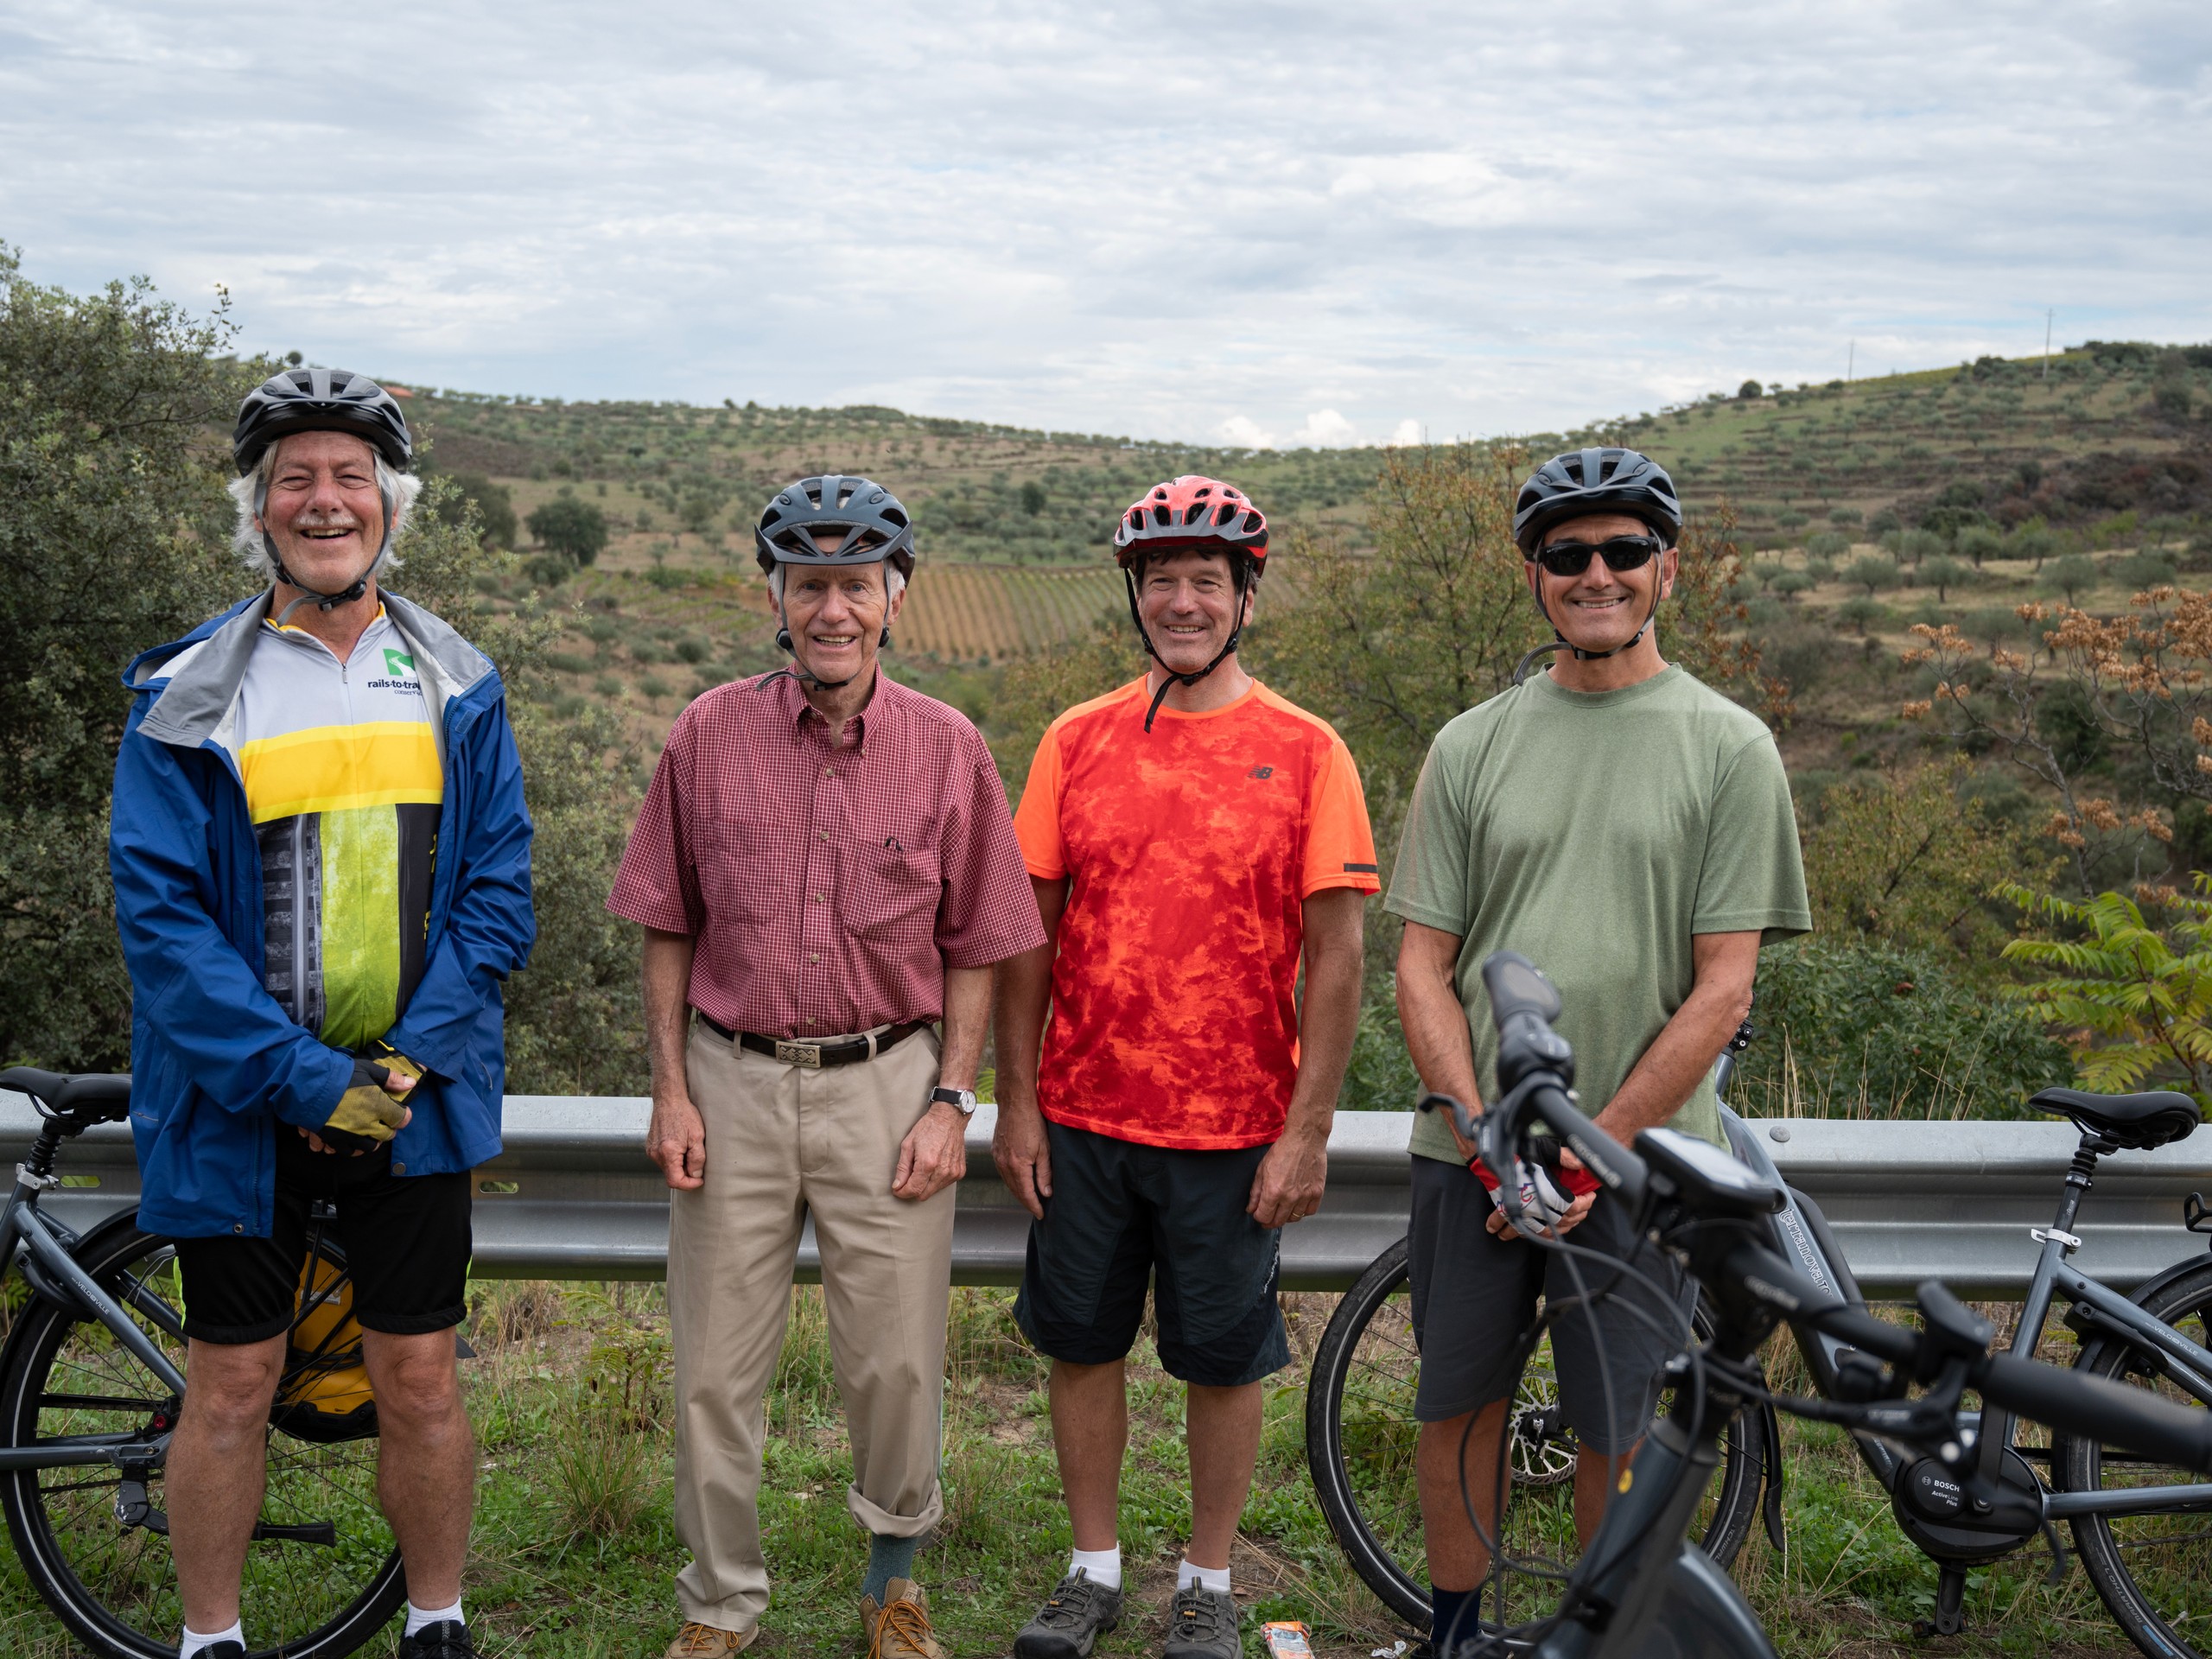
(1868, 1029)
(569, 526)
(2151, 568)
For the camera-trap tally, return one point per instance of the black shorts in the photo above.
(1119, 1212)
(406, 1240)
(1474, 1293)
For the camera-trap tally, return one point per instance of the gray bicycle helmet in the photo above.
(875, 524)
(1595, 480)
(320, 400)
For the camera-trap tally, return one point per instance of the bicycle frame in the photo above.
(48, 1245)
(1807, 1245)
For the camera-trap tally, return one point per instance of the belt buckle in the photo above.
(799, 1053)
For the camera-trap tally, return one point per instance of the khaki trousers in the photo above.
(784, 1141)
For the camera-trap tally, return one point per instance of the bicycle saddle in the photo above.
(91, 1097)
(2139, 1120)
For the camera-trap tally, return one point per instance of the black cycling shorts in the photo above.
(406, 1240)
(1474, 1293)
(1124, 1217)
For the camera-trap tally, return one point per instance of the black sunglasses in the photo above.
(1619, 552)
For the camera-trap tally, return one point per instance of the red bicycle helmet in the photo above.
(1192, 512)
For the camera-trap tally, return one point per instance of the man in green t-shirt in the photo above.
(1630, 831)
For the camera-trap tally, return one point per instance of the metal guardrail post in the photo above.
(574, 1196)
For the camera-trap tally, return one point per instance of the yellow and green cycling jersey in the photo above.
(342, 778)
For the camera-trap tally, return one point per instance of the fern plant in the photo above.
(2134, 998)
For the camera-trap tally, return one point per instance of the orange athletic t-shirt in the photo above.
(1191, 850)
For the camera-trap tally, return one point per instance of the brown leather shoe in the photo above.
(900, 1628)
(697, 1640)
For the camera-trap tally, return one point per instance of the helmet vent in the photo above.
(844, 491)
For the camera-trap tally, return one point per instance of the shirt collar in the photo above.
(878, 712)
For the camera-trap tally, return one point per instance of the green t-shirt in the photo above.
(1594, 833)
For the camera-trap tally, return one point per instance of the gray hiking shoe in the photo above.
(1202, 1624)
(1071, 1620)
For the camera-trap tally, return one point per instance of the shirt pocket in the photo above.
(744, 869)
(890, 896)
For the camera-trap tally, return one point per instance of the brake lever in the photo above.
(1928, 1426)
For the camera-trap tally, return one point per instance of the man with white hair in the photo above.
(826, 870)
(321, 866)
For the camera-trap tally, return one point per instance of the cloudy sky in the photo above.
(1252, 222)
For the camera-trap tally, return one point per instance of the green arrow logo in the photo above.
(395, 661)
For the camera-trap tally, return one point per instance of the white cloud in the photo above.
(1245, 433)
(1325, 429)
(1034, 213)
(1406, 435)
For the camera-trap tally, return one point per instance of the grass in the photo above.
(575, 1549)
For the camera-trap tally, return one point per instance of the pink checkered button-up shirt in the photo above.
(829, 885)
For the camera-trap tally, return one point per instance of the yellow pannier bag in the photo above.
(325, 1395)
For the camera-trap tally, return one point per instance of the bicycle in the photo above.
(1642, 1589)
(2103, 1498)
(90, 1384)
(1360, 1434)
(2150, 1581)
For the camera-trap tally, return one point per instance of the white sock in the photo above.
(194, 1641)
(418, 1616)
(1104, 1566)
(1215, 1579)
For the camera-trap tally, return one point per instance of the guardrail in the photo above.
(574, 1197)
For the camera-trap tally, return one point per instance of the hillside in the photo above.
(1014, 525)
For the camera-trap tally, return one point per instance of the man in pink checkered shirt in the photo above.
(825, 869)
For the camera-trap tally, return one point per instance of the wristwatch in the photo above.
(965, 1099)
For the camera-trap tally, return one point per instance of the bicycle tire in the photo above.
(48, 1511)
(1367, 1538)
(2149, 1581)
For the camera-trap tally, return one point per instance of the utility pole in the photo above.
(1850, 362)
(2046, 343)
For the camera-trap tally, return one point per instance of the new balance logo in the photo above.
(1260, 772)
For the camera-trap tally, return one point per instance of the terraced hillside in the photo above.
(2105, 454)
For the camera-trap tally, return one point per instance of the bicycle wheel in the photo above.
(2153, 1572)
(1361, 1433)
(321, 1575)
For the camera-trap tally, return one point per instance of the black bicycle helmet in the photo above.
(320, 400)
(1595, 480)
(876, 525)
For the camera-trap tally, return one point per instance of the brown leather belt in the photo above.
(844, 1050)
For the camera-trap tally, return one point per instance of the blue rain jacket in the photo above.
(216, 1063)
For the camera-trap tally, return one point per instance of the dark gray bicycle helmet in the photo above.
(1595, 480)
(320, 400)
(876, 525)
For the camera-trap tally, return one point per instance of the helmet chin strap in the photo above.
(1559, 641)
(1244, 586)
(321, 601)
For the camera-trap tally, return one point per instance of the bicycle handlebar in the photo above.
(2109, 1413)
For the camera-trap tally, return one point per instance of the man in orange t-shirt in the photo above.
(1190, 836)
